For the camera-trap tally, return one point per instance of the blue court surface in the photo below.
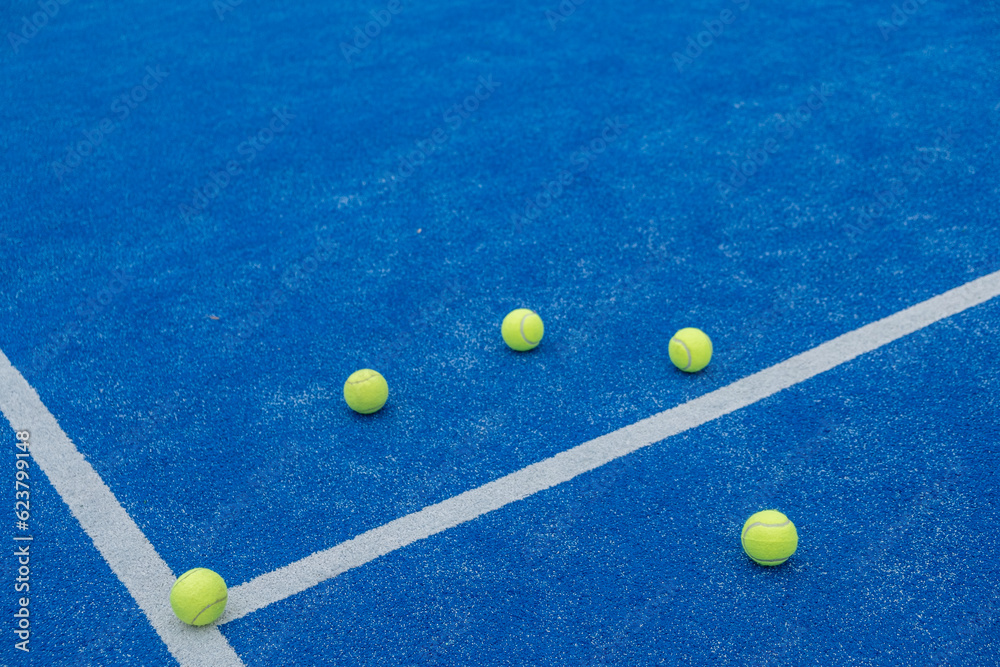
(213, 212)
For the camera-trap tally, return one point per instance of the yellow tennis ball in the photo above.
(690, 350)
(769, 538)
(522, 329)
(366, 391)
(199, 596)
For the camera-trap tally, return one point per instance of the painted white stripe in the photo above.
(131, 556)
(310, 571)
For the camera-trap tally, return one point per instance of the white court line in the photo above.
(134, 560)
(312, 570)
(131, 556)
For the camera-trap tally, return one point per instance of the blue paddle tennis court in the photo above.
(212, 212)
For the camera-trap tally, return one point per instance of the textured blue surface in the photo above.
(194, 346)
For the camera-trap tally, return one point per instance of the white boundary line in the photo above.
(131, 556)
(146, 576)
(312, 570)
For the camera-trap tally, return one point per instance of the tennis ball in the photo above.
(769, 538)
(690, 350)
(522, 329)
(199, 596)
(366, 391)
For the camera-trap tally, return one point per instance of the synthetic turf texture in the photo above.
(133, 560)
(237, 453)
